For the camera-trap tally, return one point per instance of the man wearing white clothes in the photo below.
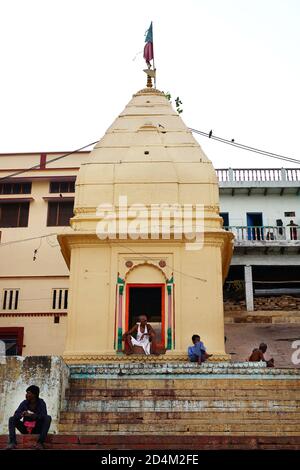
(144, 337)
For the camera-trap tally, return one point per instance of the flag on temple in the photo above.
(148, 49)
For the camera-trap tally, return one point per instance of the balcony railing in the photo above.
(264, 233)
(258, 175)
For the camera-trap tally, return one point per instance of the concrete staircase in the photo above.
(184, 401)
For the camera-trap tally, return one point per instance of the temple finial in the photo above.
(150, 74)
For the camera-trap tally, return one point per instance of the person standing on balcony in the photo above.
(293, 230)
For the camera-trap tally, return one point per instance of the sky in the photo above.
(69, 67)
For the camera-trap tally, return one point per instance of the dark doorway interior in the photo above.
(146, 301)
(225, 217)
(255, 221)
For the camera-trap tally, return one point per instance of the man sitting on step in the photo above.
(30, 418)
(144, 342)
(197, 352)
(258, 355)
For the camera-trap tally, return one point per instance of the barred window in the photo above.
(14, 214)
(60, 299)
(60, 213)
(10, 299)
(15, 188)
(62, 186)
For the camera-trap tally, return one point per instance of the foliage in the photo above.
(178, 102)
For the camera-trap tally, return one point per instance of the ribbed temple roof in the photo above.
(149, 155)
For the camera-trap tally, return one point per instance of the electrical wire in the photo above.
(245, 147)
(20, 172)
(115, 243)
(209, 135)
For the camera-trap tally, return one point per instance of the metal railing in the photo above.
(258, 174)
(265, 233)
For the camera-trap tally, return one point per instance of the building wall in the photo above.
(272, 207)
(261, 259)
(37, 278)
(41, 335)
(48, 260)
(35, 292)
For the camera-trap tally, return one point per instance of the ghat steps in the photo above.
(177, 406)
(148, 442)
(240, 399)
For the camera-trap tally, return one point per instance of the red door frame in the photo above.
(162, 286)
(9, 332)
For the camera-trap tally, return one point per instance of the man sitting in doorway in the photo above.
(258, 355)
(144, 340)
(197, 352)
(30, 418)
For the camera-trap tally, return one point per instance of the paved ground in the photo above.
(242, 338)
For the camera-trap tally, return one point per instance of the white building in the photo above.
(262, 208)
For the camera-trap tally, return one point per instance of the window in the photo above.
(14, 214)
(10, 299)
(62, 187)
(290, 214)
(225, 217)
(13, 340)
(60, 299)
(59, 213)
(15, 188)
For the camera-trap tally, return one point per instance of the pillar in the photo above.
(249, 288)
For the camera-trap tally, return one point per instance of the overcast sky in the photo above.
(67, 71)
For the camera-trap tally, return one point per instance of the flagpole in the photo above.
(153, 57)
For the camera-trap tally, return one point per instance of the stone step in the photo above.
(250, 428)
(148, 442)
(153, 417)
(180, 405)
(186, 384)
(137, 394)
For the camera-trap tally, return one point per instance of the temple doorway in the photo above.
(147, 299)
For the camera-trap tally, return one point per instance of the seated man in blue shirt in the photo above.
(30, 418)
(197, 352)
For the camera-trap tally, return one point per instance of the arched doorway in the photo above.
(145, 295)
(147, 299)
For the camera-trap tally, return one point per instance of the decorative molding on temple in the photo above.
(149, 91)
(155, 368)
(134, 358)
(34, 314)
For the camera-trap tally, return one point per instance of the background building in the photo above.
(256, 204)
(34, 207)
(262, 208)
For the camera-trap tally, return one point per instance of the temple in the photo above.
(162, 251)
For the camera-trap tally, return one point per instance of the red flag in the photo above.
(148, 49)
